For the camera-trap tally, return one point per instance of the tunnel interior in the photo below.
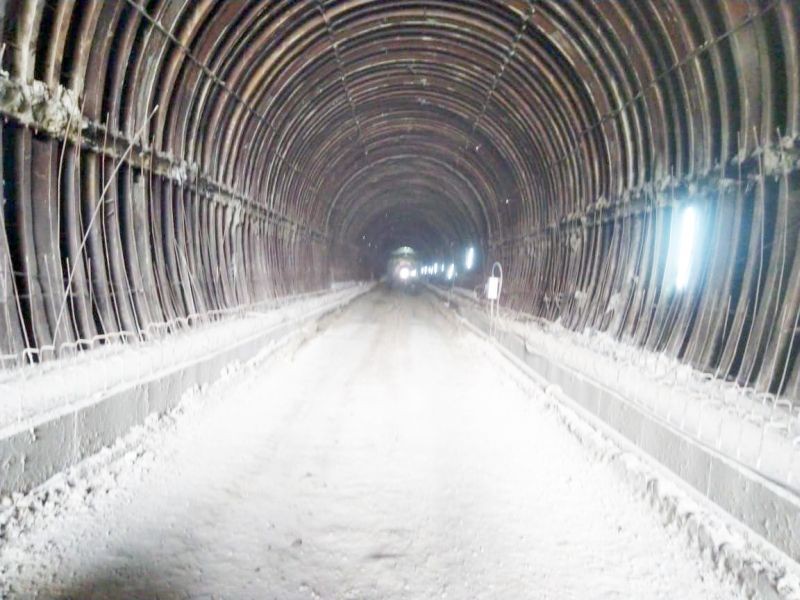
(165, 163)
(400, 298)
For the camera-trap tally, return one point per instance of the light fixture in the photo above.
(686, 248)
(470, 260)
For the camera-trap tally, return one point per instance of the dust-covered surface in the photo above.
(31, 394)
(387, 458)
(755, 430)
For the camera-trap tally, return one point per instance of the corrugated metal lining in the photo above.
(181, 158)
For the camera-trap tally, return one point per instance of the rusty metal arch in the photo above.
(227, 152)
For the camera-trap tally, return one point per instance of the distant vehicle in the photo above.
(403, 270)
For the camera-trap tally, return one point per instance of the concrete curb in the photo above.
(619, 433)
(725, 551)
(59, 439)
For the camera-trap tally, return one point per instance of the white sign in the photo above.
(493, 288)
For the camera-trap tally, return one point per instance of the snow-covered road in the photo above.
(386, 458)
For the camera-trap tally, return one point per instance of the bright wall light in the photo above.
(451, 271)
(470, 259)
(686, 248)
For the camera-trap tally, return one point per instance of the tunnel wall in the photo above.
(108, 231)
(697, 105)
(167, 160)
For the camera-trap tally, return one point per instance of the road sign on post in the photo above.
(493, 288)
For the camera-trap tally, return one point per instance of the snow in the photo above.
(388, 457)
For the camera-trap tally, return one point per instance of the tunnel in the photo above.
(599, 199)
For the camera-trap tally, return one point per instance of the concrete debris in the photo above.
(55, 111)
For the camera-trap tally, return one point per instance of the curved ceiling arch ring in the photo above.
(444, 217)
(417, 226)
(407, 185)
(232, 151)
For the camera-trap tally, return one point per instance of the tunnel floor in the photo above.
(387, 457)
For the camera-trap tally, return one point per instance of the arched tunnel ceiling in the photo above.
(180, 157)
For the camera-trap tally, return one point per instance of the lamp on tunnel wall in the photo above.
(469, 261)
(683, 248)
